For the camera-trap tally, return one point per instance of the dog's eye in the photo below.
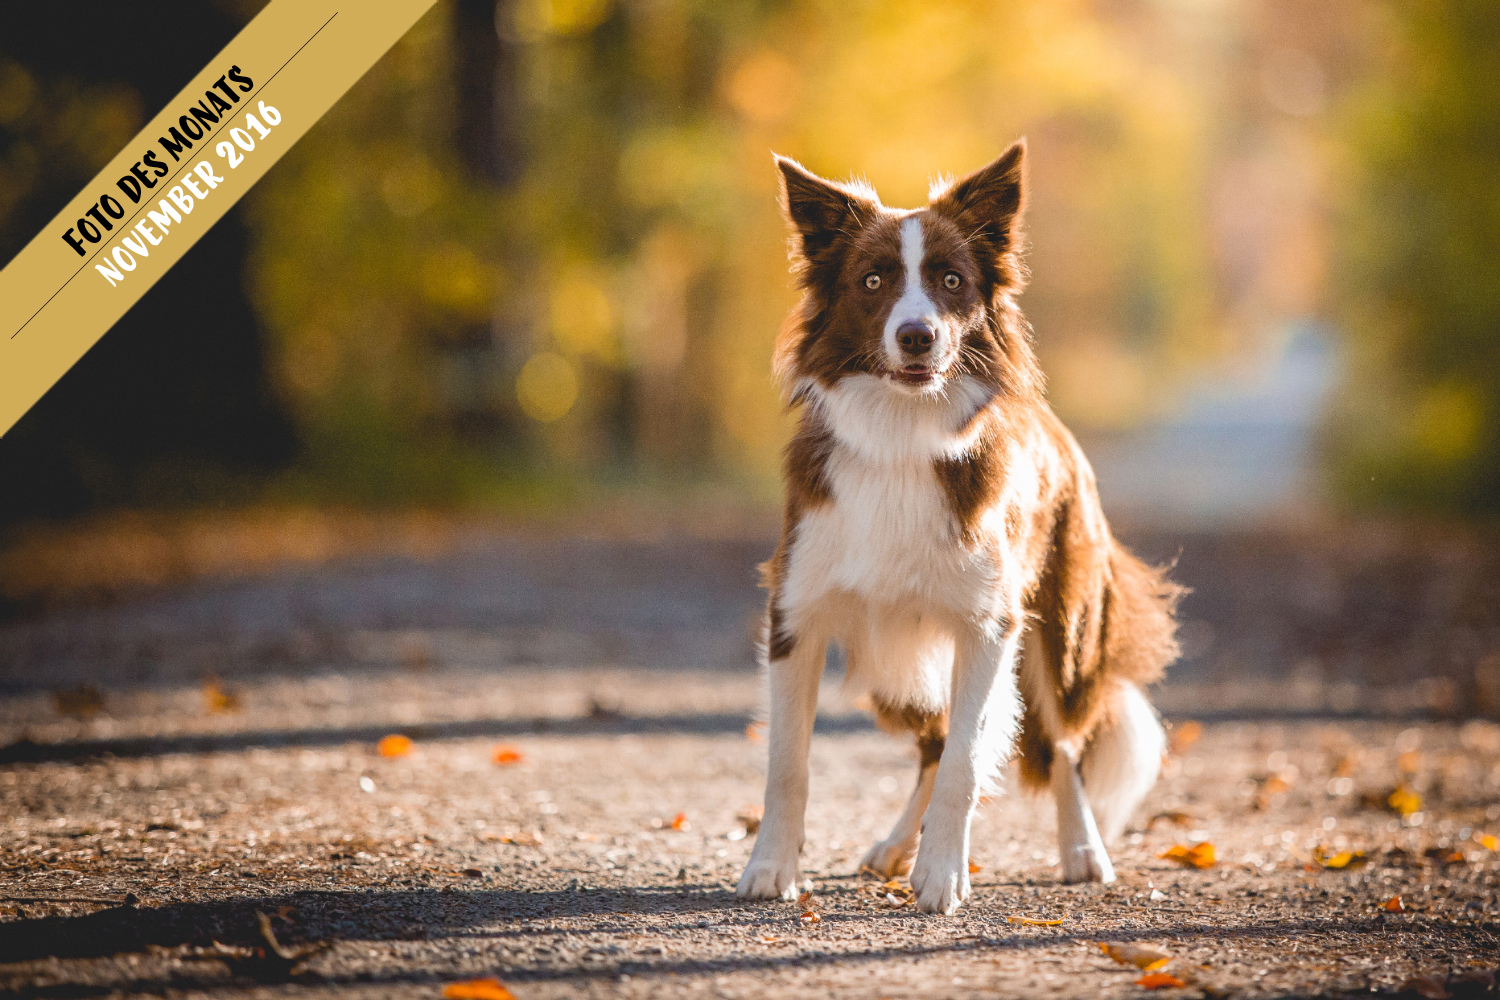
(951, 280)
(872, 281)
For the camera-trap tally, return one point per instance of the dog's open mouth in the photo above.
(915, 375)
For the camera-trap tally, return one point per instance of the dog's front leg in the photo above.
(983, 713)
(772, 870)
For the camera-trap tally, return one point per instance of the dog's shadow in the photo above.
(310, 918)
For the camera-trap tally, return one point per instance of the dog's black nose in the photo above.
(914, 337)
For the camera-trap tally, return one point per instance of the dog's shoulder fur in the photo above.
(947, 486)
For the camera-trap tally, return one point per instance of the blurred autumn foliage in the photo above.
(1420, 281)
(537, 247)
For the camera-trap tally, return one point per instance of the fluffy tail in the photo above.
(1121, 762)
(1141, 630)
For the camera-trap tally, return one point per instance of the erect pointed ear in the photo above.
(987, 206)
(819, 211)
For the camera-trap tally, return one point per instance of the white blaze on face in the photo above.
(914, 303)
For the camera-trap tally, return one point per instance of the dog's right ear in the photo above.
(819, 211)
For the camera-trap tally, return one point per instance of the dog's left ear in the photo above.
(987, 206)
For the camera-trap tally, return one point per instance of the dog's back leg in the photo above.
(1053, 755)
(893, 856)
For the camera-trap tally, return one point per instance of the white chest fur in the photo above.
(889, 535)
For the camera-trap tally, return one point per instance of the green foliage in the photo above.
(1420, 426)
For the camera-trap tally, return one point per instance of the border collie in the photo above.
(944, 527)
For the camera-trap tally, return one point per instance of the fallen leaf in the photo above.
(1200, 855)
(975, 868)
(1404, 801)
(1393, 905)
(754, 732)
(1488, 841)
(1185, 735)
(478, 989)
(1159, 980)
(750, 816)
(1143, 958)
(219, 700)
(1032, 922)
(767, 940)
(81, 702)
(523, 839)
(1174, 816)
(1430, 987)
(680, 822)
(506, 755)
(809, 908)
(895, 901)
(1343, 859)
(394, 745)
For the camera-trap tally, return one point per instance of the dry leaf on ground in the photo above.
(1488, 841)
(1142, 957)
(506, 755)
(1393, 905)
(808, 905)
(680, 822)
(750, 816)
(1430, 987)
(478, 989)
(1404, 801)
(81, 702)
(1159, 980)
(523, 839)
(1199, 855)
(975, 868)
(394, 745)
(1033, 922)
(1343, 859)
(1185, 735)
(219, 700)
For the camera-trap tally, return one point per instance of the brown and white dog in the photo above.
(943, 526)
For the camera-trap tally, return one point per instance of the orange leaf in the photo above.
(1185, 735)
(974, 868)
(507, 755)
(1142, 958)
(1343, 859)
(1488, 841)
(680, 822)
(1159, 980)
(1393, 905)
(220, 700)
(1200, 855)
(394, 745)
(1404, 801)
(478, 989)
(1030, 922)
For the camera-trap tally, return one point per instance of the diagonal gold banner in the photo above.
(174, 180)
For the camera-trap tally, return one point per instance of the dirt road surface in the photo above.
(179, 762)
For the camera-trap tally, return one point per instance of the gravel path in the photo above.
(601, 863)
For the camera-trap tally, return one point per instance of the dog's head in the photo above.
(916, 299)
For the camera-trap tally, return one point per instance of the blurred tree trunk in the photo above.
(487, 127)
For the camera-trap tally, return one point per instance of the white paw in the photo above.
(1087, 864)
(768, 880)
(940, 879)
(890, 860)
